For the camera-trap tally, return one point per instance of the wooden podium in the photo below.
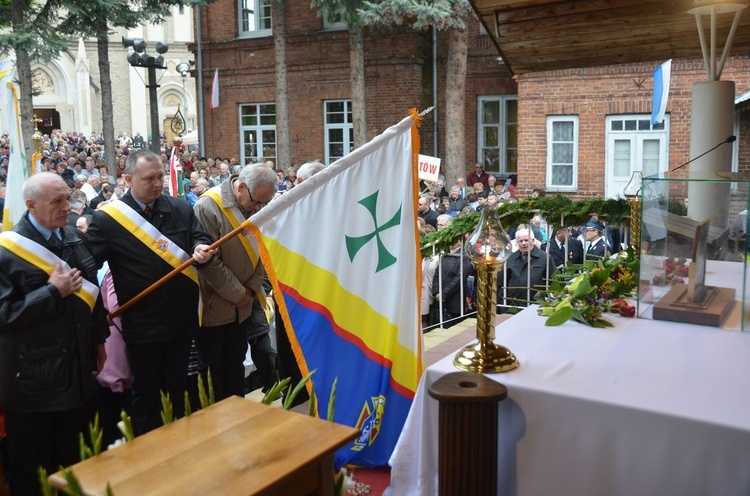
(235, 447)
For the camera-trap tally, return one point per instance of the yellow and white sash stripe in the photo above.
(43, 259)
(150, 236)
(235, 218)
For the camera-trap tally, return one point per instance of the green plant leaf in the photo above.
(560, 316)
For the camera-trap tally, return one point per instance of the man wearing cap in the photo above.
(596, 246)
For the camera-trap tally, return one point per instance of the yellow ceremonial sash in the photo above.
(249, 243)
(43, 259)
(150, 236)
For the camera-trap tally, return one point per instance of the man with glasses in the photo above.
(232, 283)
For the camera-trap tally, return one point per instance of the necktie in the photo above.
(149, 212)
(55, 241)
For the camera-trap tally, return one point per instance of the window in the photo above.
(334, 23)
(258, 132)
(255, 18)
(634, 144)
(497, 137)
(562, 153)
(339, 129)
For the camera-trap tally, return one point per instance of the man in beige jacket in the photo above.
(231, 284)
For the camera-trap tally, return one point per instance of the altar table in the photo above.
(235, 447)
(647, 408)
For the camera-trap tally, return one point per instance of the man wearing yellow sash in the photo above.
(231, 284)
(52, 333)
(144, 236)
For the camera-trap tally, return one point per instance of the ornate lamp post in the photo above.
(487, 247)
(139, 58)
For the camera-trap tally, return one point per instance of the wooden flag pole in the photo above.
(176, 271)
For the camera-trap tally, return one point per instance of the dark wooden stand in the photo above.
(714, 314)
(468, 430)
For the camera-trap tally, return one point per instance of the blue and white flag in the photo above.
(662, 75)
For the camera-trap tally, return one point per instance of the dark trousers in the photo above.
(49, 439)
(264, 359)
(158, 367)
(222, 349)
(288, 366)
(109, 404)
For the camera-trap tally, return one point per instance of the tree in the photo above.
(348, 11)
(95, 18)
(444, 15)
(283, 142)
(32, 37)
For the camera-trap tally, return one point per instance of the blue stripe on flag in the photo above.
(371, 405)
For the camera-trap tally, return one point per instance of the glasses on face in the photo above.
(256, 203)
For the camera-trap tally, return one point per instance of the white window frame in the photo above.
(347, 128)
(562, 188)
(330, 25)
(259, 131)
(736, 152)
(253, 31)
(637, 136)
(502, 133)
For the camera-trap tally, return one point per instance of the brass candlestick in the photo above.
(633, 193)
(487, 247)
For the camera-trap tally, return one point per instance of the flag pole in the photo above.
(176, 271)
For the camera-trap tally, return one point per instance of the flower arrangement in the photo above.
(586, 292)
(675, 270)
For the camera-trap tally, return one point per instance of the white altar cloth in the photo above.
(647, 408)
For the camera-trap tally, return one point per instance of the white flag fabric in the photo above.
(215, 90)
(18, 171)
(662, 76)
(342, 252)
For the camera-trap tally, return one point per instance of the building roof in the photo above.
(540, 35)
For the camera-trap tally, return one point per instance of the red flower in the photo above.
(617, 305)
(627, 311)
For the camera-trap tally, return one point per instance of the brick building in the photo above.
(398, 76)
(582, 131)
(579, 132)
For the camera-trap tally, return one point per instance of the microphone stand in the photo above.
(730, 139)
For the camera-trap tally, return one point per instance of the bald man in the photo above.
(52, 333)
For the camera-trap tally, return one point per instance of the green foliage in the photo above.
(585, 292)
(275, 391)
(289, 399)
(167, 413)
(126, 426)
(210, 399)
(94, 446)
(47, 489)
(441, 14)
(511, 214)
(332, 400)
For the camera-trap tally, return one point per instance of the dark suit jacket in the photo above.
(172, 309)
(598, 250)
(518, 280)
(575, 252)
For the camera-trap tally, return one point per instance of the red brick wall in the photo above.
(595, 93)
(398, 76)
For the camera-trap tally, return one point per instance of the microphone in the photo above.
(730, 139)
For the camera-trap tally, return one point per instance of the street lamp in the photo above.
(139, 58)
(183, 68)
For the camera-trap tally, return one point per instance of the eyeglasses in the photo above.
(256, 203)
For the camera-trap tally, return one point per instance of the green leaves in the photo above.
(559, 317)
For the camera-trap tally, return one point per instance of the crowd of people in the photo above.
(448, 280)
(91, 241)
